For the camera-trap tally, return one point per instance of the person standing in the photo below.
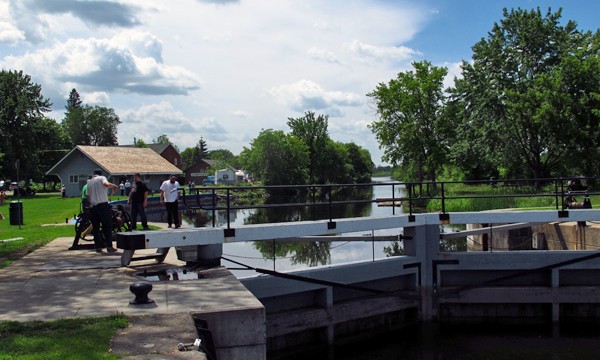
(169, 195)
(127, 187)
(85, 204)
(138, 201)
(122, 188)
(100, 211)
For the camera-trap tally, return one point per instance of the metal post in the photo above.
(228, 209)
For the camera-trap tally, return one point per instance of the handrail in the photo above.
(323, 195)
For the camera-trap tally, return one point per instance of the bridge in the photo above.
(424, 284)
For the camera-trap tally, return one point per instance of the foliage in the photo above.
(22, 108)
(225, 159)
(412, 128)
(320, 160)
(59, 339)
(277, 158)
(139, 143)
(192, 155)
(312, 130)
(89, 125)
(526, 103)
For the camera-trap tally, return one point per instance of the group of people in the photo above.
(125, 187)
(94, 196)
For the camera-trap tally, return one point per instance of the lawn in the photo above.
(60, 339)
(39, 211)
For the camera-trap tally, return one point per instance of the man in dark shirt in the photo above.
(138, 200)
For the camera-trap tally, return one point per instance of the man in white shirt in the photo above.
(100, 211)
(169, 194)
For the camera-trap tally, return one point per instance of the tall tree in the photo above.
(87, 125)
(22, 106)
(103, 124)
(201, 149)
(50, 143)
(411, 127)
(312, 130)
(74, 123)
(524, 101)
(277, 158)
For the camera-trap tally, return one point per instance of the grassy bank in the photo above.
(59, 339)
(44, 217)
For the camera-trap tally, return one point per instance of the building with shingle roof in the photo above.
(118, 163)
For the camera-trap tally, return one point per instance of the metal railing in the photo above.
(224, 198)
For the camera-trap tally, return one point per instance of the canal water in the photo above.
(285, 256)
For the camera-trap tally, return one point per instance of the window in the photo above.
(175, 161)
(73, 179)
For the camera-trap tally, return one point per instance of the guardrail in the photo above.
(220, 198)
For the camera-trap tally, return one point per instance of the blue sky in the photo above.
(224, 70)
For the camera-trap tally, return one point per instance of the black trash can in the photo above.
(16, 213)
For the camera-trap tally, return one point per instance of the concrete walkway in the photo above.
(54, 283)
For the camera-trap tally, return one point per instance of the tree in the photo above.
(225, 158)
(89, 125)
(527, 99)
(312, 130)
(50, 144)
(188, 155)
(201, 149)
(162, 139)
(22, 106)
(360, 163)
(411, 127)
(74, 101)
(103, 124)
(139, 143)
(276, 158)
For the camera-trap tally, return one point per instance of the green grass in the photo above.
(37, 210)
(59, 339)
(460, 197)
(41, 209)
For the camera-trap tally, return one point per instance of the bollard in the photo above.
(141, 289)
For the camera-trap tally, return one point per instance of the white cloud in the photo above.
(308, 95)
(150, 121)
(100, 98)
(241, 114)
(128, 62)
(323, 55)
(9, 33)
(454, 71)
(368, 52)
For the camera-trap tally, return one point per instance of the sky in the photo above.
(223, 70)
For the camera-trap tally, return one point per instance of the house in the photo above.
(169, 152)
(196, 172)
(118, 163)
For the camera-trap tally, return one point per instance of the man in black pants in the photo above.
(169, 194)
(138, 201)
(100, 211)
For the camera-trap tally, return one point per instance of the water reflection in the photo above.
(300, 253)
(287, 255)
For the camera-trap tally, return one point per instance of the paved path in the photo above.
(53, 283)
